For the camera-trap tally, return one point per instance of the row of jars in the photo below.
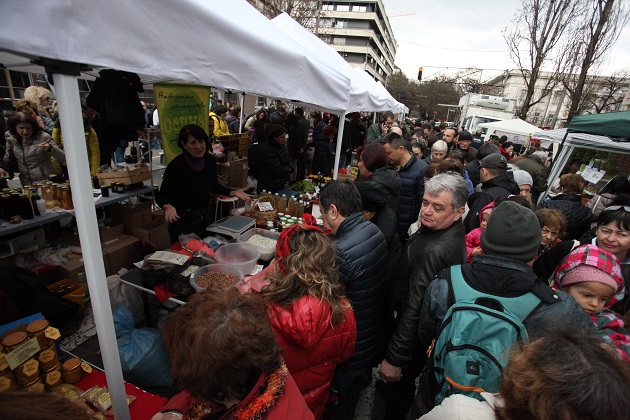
(42, 371)
(294, 206)
(24, 202)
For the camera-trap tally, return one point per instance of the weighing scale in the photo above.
(232, 226)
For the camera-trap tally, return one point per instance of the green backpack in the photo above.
(474, 340)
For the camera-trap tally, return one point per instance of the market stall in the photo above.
(181, 46)
(604, 132)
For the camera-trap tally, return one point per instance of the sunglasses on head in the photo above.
(615, 208)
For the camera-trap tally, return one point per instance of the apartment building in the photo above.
(605, 94)
(361, 33)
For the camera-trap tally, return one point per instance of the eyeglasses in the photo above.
(615, 208)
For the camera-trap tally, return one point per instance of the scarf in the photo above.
(257, 407)
(197, 164)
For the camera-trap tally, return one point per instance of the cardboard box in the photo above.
(155, 232)
(120, 252)
(238, 173)
(131, 216)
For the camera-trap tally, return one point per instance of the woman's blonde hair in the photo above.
(309, 269)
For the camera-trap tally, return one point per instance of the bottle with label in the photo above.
(292, 207)
(82, 280)
(282, 204)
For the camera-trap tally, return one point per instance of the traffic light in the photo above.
(419, 74)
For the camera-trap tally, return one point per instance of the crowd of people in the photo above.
(434, 223)
(438, 226)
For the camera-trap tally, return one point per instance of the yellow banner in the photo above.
(179, 105)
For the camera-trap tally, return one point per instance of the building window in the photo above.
(357, 8)
(328, 7)
(343, 7)
(339, 40)
(341, 24)
(521, 96)
(556, 98)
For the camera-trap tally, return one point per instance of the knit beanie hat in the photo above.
(274, 130)
(590, 263)
(513, 232)
(522, 177)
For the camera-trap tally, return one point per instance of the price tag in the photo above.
(86, 368)
(265, 206)
(23, 353)
(52, 333)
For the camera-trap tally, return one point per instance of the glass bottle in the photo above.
(26, 211)
(282, 204)
(82, 280)
(66, 199)
(292, 206)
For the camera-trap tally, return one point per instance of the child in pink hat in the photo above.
(593, 277)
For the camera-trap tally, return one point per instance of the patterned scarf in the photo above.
(256, 408)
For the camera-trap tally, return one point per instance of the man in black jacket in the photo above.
(362, 264)
(474, 167)
(411, 172)
(496, 182)
(438, 244)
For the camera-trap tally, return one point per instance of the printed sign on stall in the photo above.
(179, 105)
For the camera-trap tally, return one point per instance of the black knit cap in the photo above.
(274, 130)
(513, 231)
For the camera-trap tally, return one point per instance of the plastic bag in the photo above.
(143, 357)
(121, 294)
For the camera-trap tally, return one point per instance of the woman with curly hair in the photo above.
(311, 318)
(224, 355)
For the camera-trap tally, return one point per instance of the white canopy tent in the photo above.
(225, 44)
(519, 129)
(245, 54)
(363, 95)
(571, 141)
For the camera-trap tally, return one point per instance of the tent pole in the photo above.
(342, 122)
(67, 93)
(240, 118)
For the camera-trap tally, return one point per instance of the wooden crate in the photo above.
(126, 176)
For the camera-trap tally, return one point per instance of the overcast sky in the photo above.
(464, 33)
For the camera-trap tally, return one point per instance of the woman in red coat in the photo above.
(310, 316)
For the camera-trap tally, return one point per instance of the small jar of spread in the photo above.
(27, 371)
(14, 340)
(7, 381)
(36, 385)
(37, 329)
(72, 372)
(48, 357)
(52, 377)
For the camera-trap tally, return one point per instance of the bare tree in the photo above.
(609, 96)
(304, 12)
(589, 42)
(533, 40)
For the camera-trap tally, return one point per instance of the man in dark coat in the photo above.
(496, 182)
(438, 244)
(474, 166)
(535, 165)
(464, 142)
(362, 264)
(411, 172)
(274, 163)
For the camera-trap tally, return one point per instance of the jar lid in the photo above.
(36, 326)
(71, 364)
(14, 338)
(52, 369)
